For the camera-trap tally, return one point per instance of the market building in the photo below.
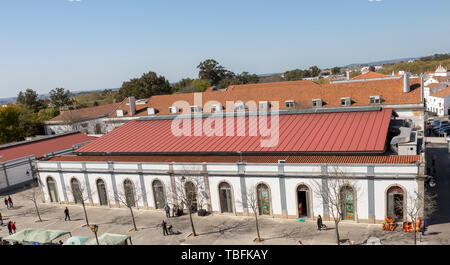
(223, 158)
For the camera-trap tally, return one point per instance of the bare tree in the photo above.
(252, 202)
(331, 192)
(34, 196)
(187, 194)
(72, 120)
(80, 194)
(129, 197)
(419, 207)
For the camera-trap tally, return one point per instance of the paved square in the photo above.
(212, 229)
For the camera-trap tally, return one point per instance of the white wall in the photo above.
(273, 182)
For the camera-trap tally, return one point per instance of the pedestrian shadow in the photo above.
(15, 207)
(433, 233)
(221, 229)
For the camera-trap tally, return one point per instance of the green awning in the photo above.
(76, 240)
(109, 239)
(40, 236)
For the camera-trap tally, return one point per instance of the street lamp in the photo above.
(94, 228)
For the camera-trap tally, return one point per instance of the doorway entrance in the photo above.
(303, 201)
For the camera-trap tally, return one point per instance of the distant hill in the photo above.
(382, 62)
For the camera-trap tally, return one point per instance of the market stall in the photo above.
(111, 239)
(76, 240)
(36, 236)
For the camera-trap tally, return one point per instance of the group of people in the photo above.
(12, 227)
(174, 210)
(9, 202)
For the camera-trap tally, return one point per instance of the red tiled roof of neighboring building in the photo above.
(370, 75)
(43, 146)
(302, 92)
(86, 113)
(299, 159)
(442, 93)
(338, 132)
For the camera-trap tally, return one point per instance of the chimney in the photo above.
(421, 88)
(406, 85)
(348, 74)
(132, 103)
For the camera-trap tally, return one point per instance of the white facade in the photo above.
(97, 126)
(439, 106)
(370, 183)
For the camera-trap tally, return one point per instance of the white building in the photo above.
(439, 102)
(146, 158)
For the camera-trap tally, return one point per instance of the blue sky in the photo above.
(94, 44)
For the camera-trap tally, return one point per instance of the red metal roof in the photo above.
(44, 146)
(356, 131)
(300, 159)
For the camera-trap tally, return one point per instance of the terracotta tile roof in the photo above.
(43, 146)
(390, 90)
(442, 93)
(442, 79)
(87, 113)
(433, 85)
(383, 159)
(333, 132)
(370, 75)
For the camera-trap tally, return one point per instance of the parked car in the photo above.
(439, 123)
(444, 130)
(445, 126)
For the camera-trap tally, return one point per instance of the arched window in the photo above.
(303, 195)
(130, 197)
(191, 195)
(347, 203)
(158, 194)
(51, 184)
(225, 198)
(76, 191)
(263, 199)
(101, 189)
(395, 203)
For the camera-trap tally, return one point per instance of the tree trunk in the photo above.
(132, 217)
(85, 213)
(257, 226)
(37, 210)
(192, 222)
(338, 238)
(415, 232)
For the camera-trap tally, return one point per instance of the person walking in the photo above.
(13, 227)
(422, 226)
(167, 209)
(319, 223)
(66, 212)
(10, 202)
(9, 228)
(174, 210)
(164, 227)
(6, 203)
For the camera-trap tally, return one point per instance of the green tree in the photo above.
(182, 84)
(372, 68)
(9, 124)
(314, 70)
(147, 85)
(211, 71)
(199, 85)
(30, 100)
(335, 70)
(60, 97)
(292, 75)
(246, 78)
